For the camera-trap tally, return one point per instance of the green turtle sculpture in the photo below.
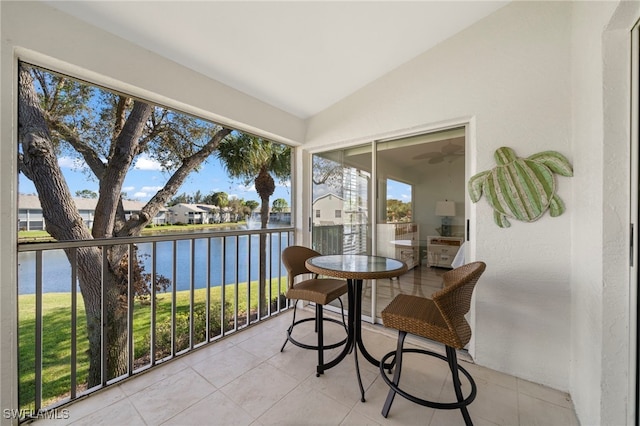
(521, 188)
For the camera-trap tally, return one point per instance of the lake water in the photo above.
(57, 270)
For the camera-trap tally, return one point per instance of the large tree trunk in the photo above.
(63, 222)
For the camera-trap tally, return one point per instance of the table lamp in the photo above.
(446, 209)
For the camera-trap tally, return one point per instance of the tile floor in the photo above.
(244, 379)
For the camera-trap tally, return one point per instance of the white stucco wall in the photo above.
(587, 315)
(610, 86)
(511, 73)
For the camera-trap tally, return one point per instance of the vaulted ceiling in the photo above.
(299, 56)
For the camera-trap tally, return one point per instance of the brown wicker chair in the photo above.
(320, 291)
(440, 318)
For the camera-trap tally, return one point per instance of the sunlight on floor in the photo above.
(244, 379)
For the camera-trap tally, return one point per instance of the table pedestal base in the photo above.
(354, 339)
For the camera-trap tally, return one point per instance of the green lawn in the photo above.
(40, 236)
(56, 334)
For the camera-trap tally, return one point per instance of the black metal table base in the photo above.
(354, 339)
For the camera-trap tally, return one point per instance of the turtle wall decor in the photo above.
(521, 188)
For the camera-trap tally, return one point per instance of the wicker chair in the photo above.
(320, 291)
(440, 318)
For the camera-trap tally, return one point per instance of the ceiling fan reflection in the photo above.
(450, 151)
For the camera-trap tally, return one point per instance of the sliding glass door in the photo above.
(340, 207)
(390, 204)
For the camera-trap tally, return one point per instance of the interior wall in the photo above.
(587, 288)
(510, 74)
(439, 182)
(430, 183)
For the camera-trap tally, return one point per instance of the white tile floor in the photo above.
(244, 379)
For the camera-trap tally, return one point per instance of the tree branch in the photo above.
(89, 154)
(111, 183)
(151, 209)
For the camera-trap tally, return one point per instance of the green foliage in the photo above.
(163, 330)
(86, 193)
(180, 199)
(244, 156)
(398, 211)
(220, 199)
(251, 204)
(280, 205)
(142, 280)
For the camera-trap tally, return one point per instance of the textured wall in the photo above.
(509, 76)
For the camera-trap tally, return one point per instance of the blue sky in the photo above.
(146, 178)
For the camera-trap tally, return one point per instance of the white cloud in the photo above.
(146, 163)
(146, 192)
(246, 188)
(128, 188)
(152, 189)
(70, 163)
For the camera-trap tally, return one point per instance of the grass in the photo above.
(56, 334)
(42, 236)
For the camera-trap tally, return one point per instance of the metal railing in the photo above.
(182, 291)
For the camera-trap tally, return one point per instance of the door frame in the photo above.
(634, 279)
(468, 123)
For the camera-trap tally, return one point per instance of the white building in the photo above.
(327, 210)
(187, 213)
(30, 217)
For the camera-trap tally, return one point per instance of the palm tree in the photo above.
(251, 158)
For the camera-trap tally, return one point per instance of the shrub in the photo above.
(163, 329)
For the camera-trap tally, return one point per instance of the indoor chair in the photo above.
(319, 291)
(440, 318)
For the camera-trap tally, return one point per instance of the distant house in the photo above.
(283, 217)
(30, 217)
(328, 210)
(199, 214)
(188, 213)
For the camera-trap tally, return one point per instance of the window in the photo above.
(318, 213)
(342, 184)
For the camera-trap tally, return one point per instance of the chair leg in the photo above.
(320, 330)
(344, 323)
(295, 308)
(452, 359)
(396, 376)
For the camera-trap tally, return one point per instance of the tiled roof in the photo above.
(32, 202)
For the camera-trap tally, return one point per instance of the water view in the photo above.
(228, 258)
